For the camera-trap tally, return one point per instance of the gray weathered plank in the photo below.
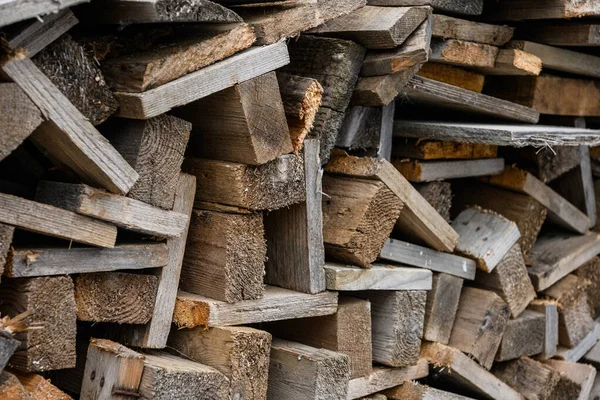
(378, 277)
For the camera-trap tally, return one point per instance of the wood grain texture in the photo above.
(277, 304)
(453, 75)
(576, 353)
(441, 307)
(446, 27)
(446, 150)
(378, 277)
(18, 10)
(574, 35)
(11, 388)
(514, 62)
(240, 67)
(6, 237)
(463, 53)
(431, 171)
(439, 195)
(529, 377)
(590, 271)
(378, 91)
(40, 388)
(523, 336)
(581, 374)
(417, 391)
(516, 10)
(368, 130)
(550, 310)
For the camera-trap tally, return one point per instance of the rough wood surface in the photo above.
(523, 336)
(122, 211)
(378, 91)
(396, 325)
(574, 35)
(11, 388)
(225, 256)
(100, 297)
(466, 7)
(348, 332)
(300, 372)
(378, 277)
(514, 62)
(239, 353)
(240, 67)
(463, 53)
(529, 377)
(431, 171)
(455, 28)
(479, 324)
(245, 123)
(358, 216)
(376, 27)
(40, 388)
(447, 150)
(368, 130)
(416, 391)
(18, 10)
(590, 271)
(439, 195)
(19, 117)
(51, 304)
(550, 309)
(581, 374)
(276, 184)
(155, 149)
(6, 237)
(441, 307)
(517, 10)
(277, 304)
(452, 75)
(576, 353)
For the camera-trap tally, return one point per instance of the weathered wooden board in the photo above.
(13, 11)
(378, 277)
(550, 309)
(465, 7)
(441, 307)
(462, 53)
(431, 171)
(517, 10)
(557, 34)
(446, 27)
(452, 75)
(576, 353)
(523, 336)
(513, 62)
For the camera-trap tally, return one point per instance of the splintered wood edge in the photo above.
(190, 313)
(439, 355)
(115, 348)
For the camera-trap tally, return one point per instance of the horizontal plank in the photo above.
(429, 171)
(378, 277)
(12, 11)
(240, 67)
(28, 262)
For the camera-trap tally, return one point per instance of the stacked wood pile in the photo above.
(299, 199)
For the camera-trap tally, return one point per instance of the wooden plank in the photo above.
(439, 195)
(396, 325)
(447, 150)
(441, 306)
(19, 117)
(577, 352)
(51, 304)
(555, 255)
(573, 35)
(40, 388)
(166, 376)
(446, 27)
(19, 10)
(161, 64)
(358, 216)
(300, 372)
(122, 211)
(378, 277)
(559, 59)
(155, 333)
(419, 219)
(277, 304)
(463, 53)
(484, 236)
(417, 391)
(523, 336)
(142, 143)
(385, 378)
(368, 130)
(560, 211)
(583, 375)
(295, 249)
(593, 355)
(550, 309)
(375, 27)
(429, 92)
(348, 331)
(517, 10)
(38, 261)
(501, 135)
(414, 50)
(464, 7)
(430, 171)
(276, 184)
(417, 256)
(510, 281)
(590, 271)
(239, 353)
(109, 368)
(454, 76)
(531, 378)
(26, 214)
(225, 256)
(238, 68)
(514, 62)
(547, 165)
(99, 297)
(245, 123)
(378, 91)
(464, 371)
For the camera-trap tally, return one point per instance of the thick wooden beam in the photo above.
(431, 171)
(441, 307)
(550, 310)
(445, 27)
(239, 353)
(523, 336)
(240, 67)
(277, 304)
(378, 277)
(19, 117)
(530, 378)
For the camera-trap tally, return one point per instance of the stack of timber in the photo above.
(299, 199)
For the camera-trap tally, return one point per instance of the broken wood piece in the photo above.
(225, 256)
(396, 325)
(373, 208)
(419, 218)
(155, 149)
(430, 171)
(239, 353)
(277, 304)
(110, 367)
(240, 67)
(555, 255)
(122, 211)
(375, 27)
(446, 27)
(315, 373)
(445, 150)
(144, 70)
(348, 331)
(560, 211)
(378, 277)
(378, 91)
(384, 378)
(99, 297)
(484, 236)
(244, 123)
(423, 257)
(441, 307)
(414, 50)
(461, 369)
(513, 62)
(523, 336)
(479, 324)
(439, 195)
(576, 353)
(581, 374)
(25, 214)
(462, 53)
(452, 75)
(531, 378)
(51, 305)
(550, 309)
